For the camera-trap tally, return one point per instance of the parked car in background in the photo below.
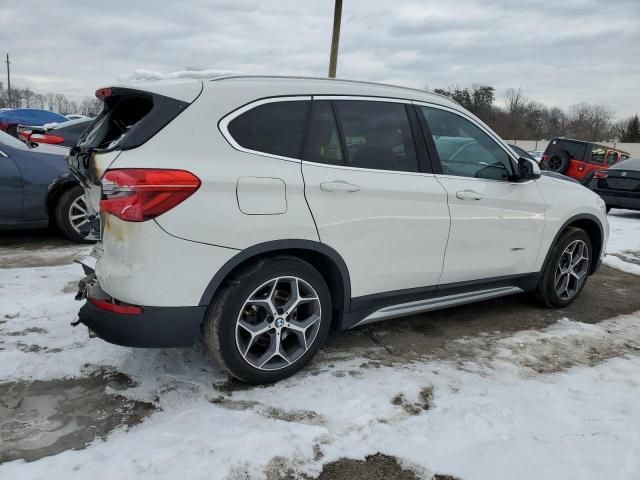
(10, 119)
(37, 190)
(522, 152)
(303, 204)
(619, 185)
(579, 159)
(537, 155)
(65, 134)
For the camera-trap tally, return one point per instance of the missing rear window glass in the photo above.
(119, 115)
(129, 118)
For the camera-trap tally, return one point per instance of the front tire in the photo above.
(269, 320)
(71, 215)
(566, 270)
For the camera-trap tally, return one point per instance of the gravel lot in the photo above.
(443, 395)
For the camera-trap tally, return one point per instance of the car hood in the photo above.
(559, 176)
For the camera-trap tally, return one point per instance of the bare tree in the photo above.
(589, 122)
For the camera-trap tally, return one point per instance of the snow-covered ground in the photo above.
(561, 402)
(623, 250)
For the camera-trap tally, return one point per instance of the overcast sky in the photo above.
(558, 51)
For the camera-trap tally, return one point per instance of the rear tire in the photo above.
(254, 327)
(70, 204)
(566, 270)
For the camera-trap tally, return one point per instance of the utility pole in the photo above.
(8, 82)
(335, 39)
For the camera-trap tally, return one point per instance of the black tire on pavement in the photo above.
(546, 292)
(63, 222)
(220, 323)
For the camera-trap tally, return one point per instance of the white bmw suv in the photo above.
(262, 211)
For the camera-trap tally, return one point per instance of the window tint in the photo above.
(274, 128)
(377, 135)
(612, 157)
(573, 149)
(323, 140)
(464, 149)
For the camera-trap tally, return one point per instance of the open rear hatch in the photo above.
(129, 117)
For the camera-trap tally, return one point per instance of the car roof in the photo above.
(294, 85)
(584, 142)
(338, 86)
(628, 164)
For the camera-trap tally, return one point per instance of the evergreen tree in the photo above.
(632, 134)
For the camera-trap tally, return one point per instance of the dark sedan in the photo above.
(10, 119)
(619, 185)
(65, 134)
(37, 190)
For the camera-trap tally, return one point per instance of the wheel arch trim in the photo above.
(576, 218)
(274, 247)
(56, 189)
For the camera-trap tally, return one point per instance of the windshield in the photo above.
(9, 141)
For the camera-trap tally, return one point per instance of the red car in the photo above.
(578, 159)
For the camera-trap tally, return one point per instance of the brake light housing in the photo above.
(140, 194)
(102, 93)
(41, 137)
(600, 174)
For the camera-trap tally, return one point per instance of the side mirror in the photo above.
(527, 169)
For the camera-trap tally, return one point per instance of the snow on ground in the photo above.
(623, 249)
(555, 403)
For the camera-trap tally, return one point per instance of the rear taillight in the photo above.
(42, 138)
(139, 194)
(103, 93)
(601, 174)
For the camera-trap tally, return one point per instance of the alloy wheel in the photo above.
(572, 269)
(78, 213)
(278, 323)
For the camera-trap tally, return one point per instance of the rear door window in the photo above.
(377, 135)
(612, 157)
(275, 128)
(323, 138)
(598, 154)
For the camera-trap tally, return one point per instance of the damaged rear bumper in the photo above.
(153, 327)
(134, 325)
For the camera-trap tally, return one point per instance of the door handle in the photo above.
(339, 186)
(468, 195)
